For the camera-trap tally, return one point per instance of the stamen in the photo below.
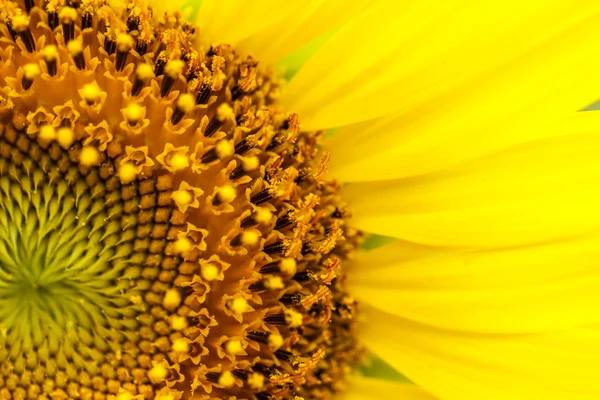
(212, 128)
(51, 58)
(225, 194)
(185, 104)
(90, 93)
(260, 216)
(143, 74)
(133, 113)
(87, 19)
(30, 72)
(261, 197)
(204, 94)
(67, 17)
(173, 69)
(292, 299)
(110, 44)
(124, 44)
(20, 25)
(29, 5)
(76, 50)
(286, 266)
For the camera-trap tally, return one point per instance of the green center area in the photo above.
(58, 255)
(73, 260)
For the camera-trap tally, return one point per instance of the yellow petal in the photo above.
(234, 20)
(314, 19)
(457, 366)
(395, 56)
(530, 193)
(517, 290)
(519, 104)
(361, 388)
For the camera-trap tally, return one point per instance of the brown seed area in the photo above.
(189, 245)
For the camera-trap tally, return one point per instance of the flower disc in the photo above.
(166, 231)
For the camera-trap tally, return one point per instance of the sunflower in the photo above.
(178, 221)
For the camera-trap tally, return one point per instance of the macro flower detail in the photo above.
(166, 231)
(253, 199)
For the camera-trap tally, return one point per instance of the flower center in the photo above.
(166, 232)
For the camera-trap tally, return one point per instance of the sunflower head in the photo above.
(165, 230)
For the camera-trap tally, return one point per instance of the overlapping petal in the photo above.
(457, 366)
(396, 56)
(516, 290)
(530, 193)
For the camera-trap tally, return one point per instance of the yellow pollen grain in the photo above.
(50, 52)
(127, 173)
(288, 266)
(89, 156)
(274, 283)
(250, 163)
(144, 72)
(179, 161)
(226, 193)
(256, 381)
(65, 137)
(234, 347)
(67, 15)
(31, 70)
(263, 215)
(165, 397)
(172, 299)
(293, 318)
(183, 245)
(47, 132)
(158, 373)
(90, 92)
(174, 68)
(186, 102)
(124, 396)
(226, 379)
(75, 47)
(250, 238)
(239, 305)
(181, 346)
(210, 272)
(20, 22)
(124, 42)
(275, 341)
(182, 197)
(224, 111)
(133, 113)
(224, 149)
(179, 323)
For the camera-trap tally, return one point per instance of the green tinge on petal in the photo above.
(374, 241)
(377, 368)
(293, 62)
(192, 7)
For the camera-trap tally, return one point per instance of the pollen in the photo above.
(127, 173)
(47, 133)
(133, 113)
(210, 272)
(89, 155)
(168, 229)
(234, 347)
(181, 346)
(65, 138)
(172, 299)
